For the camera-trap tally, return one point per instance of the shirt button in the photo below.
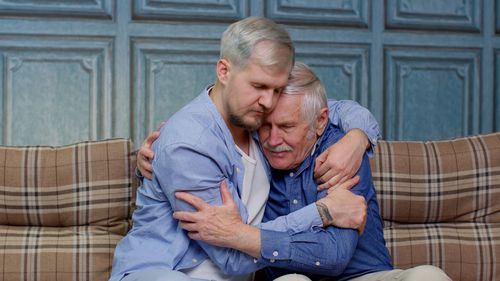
(237, 170)
(318, 263)
(272, 260)
(254, 260)
(195, 260)
(275, 253)
(295, 201)
(291, 174)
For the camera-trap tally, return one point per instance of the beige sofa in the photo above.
(63, 209)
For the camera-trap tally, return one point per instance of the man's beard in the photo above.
(238, 121)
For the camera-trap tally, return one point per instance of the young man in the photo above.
(207, 142)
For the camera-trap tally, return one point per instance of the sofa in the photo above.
(440, 201)
(64, 209)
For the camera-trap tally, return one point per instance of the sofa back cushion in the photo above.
(64, 209)
(88, 183)
(439, 181)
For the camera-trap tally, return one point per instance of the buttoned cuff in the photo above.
(275, 246)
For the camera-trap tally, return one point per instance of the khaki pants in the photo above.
(418, 273)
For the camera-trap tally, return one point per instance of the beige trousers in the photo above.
(418, 273)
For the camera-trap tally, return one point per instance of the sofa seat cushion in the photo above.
(56, 253)
(465, 251)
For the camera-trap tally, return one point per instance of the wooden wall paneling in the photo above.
(343, 69)
(333, 12)
(168, 73)
(206, 10)
(431, 94)
(49, 9)
(460, 15)
(55, 91)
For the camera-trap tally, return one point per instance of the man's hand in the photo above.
(146, 154)
(216, 225)
(342, 208)
(342, 160)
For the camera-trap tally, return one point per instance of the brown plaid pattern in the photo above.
(63, 209)
(440, 201)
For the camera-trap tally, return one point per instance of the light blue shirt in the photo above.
(194, 153)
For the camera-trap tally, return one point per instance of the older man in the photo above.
(292, 136)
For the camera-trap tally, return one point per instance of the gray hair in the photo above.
(240, 38)
(304, 81)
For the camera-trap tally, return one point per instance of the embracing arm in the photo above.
(342, 160)
(194, 170)
(348, 115)
(285, 241)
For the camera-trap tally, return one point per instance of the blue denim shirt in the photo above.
(327, 251)
(194, 153)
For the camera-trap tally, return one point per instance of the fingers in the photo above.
(184, 217)
(150, 139)
(226, 196)
(319, 168)
(350, 183)
(192, 200)
(194, 235)
(143, 163)
(331, 182)
(161, 126)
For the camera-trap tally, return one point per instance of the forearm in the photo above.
(350, 115)
(246, 240)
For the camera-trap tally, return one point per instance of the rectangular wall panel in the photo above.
(431, 94)
(167, 75)
(333, 12)
(463, 15)
(99, 9)
(209, 10)
(55, 91)
(343, 70)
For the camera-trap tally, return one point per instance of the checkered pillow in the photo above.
(63, 209)
(441, 204)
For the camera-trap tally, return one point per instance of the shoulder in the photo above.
(331, 135)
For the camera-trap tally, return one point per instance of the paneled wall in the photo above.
(91, 69)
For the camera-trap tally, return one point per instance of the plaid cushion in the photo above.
(440, 201)
(63, 209)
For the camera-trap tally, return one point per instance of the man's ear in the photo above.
(222, 69)
(321, 121)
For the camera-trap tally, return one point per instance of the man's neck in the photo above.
(241, 136)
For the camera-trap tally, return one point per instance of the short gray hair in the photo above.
(304, 81)
(240, 38)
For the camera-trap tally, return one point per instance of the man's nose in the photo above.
(274, 137)
(267, 99)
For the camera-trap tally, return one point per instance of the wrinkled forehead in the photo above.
(288, 108)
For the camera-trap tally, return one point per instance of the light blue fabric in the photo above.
(159, 274)
(195, 152)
